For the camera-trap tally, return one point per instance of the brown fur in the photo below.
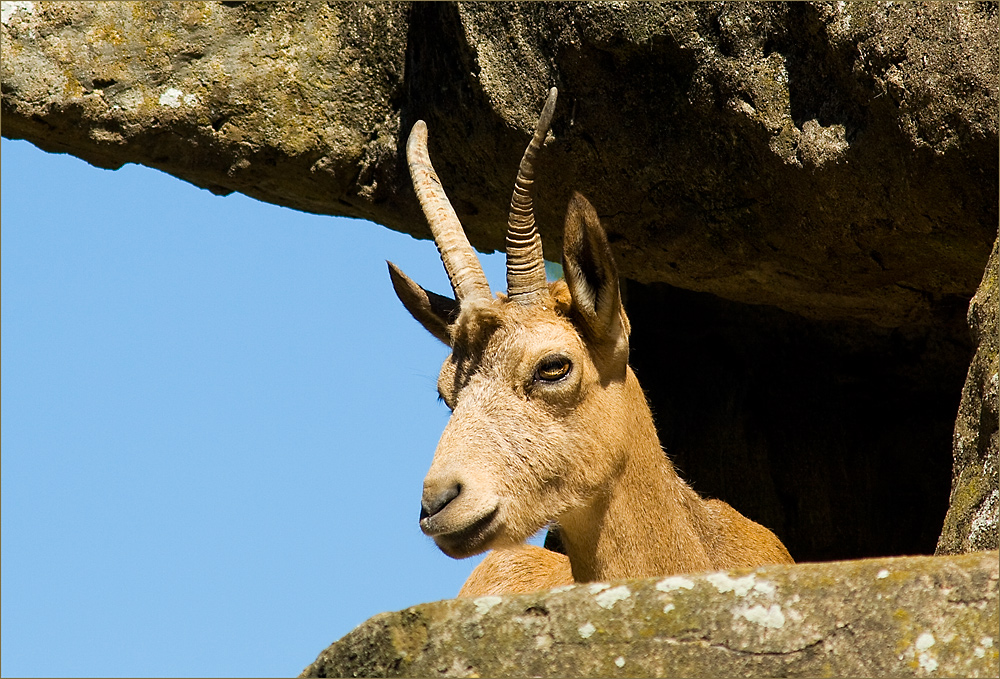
(549, 425)
(517, 570)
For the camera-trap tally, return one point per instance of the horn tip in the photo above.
(419, 130)
(548, 109)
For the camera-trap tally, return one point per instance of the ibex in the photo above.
(549, 425)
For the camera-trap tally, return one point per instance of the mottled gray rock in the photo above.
(833, 159)
(923, 616)
(971, 522)
(287, 103)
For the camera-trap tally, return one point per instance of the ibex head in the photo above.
(535, 378)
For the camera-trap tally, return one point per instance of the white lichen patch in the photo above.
(882, 574)
(986, 642)
(763, 587)
(926, 660)
(985, 518)
(173, 98)
(766, 617)
(724, 583)
(612, 596)
(586, 630)
(9, 9)
(674, 582)
(597, 587)
(620, 661)
(925, 641)
(485, 603)
(668, 608)
(561, 588)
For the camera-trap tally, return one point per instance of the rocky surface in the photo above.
(974, 506)
(923, 616)
(836, 160)
(802, 197)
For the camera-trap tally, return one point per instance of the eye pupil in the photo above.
(553, 369)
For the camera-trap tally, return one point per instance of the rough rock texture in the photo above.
(923, 616)
(837, 160)
(802, 197)
(971, 522)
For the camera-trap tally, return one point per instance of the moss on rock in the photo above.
(974, 506)
(906, 616)
(837, 160)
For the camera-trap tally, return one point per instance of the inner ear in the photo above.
(435, 312)
(590, 271)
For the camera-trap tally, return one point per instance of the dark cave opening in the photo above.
(835, 435)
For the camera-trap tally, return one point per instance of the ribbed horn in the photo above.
(460, 260)
(525, 264)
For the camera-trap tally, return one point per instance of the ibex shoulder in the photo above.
(515, 570)
(745, 543)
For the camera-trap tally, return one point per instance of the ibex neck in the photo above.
(648, 522)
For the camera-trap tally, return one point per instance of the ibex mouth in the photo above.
(471, 539)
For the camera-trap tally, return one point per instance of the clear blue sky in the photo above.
(216, 422)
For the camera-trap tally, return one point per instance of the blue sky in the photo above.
(216, 422)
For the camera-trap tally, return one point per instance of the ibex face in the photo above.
(530, 372)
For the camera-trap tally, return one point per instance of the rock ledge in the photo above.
(902, 616)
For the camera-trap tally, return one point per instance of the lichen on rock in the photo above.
(971, 522)
(916, 616)
(831, 159)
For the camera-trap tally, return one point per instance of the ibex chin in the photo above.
(549, 425)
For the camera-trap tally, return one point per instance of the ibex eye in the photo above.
(553, 368)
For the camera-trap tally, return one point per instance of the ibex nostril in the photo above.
(431, 506)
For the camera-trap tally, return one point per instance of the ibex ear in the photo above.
(434, 312)
(592, 277)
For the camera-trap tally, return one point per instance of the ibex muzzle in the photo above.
(549, 424)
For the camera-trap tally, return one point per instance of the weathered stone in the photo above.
(833, 159)
(916, 616)
(971, 522)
